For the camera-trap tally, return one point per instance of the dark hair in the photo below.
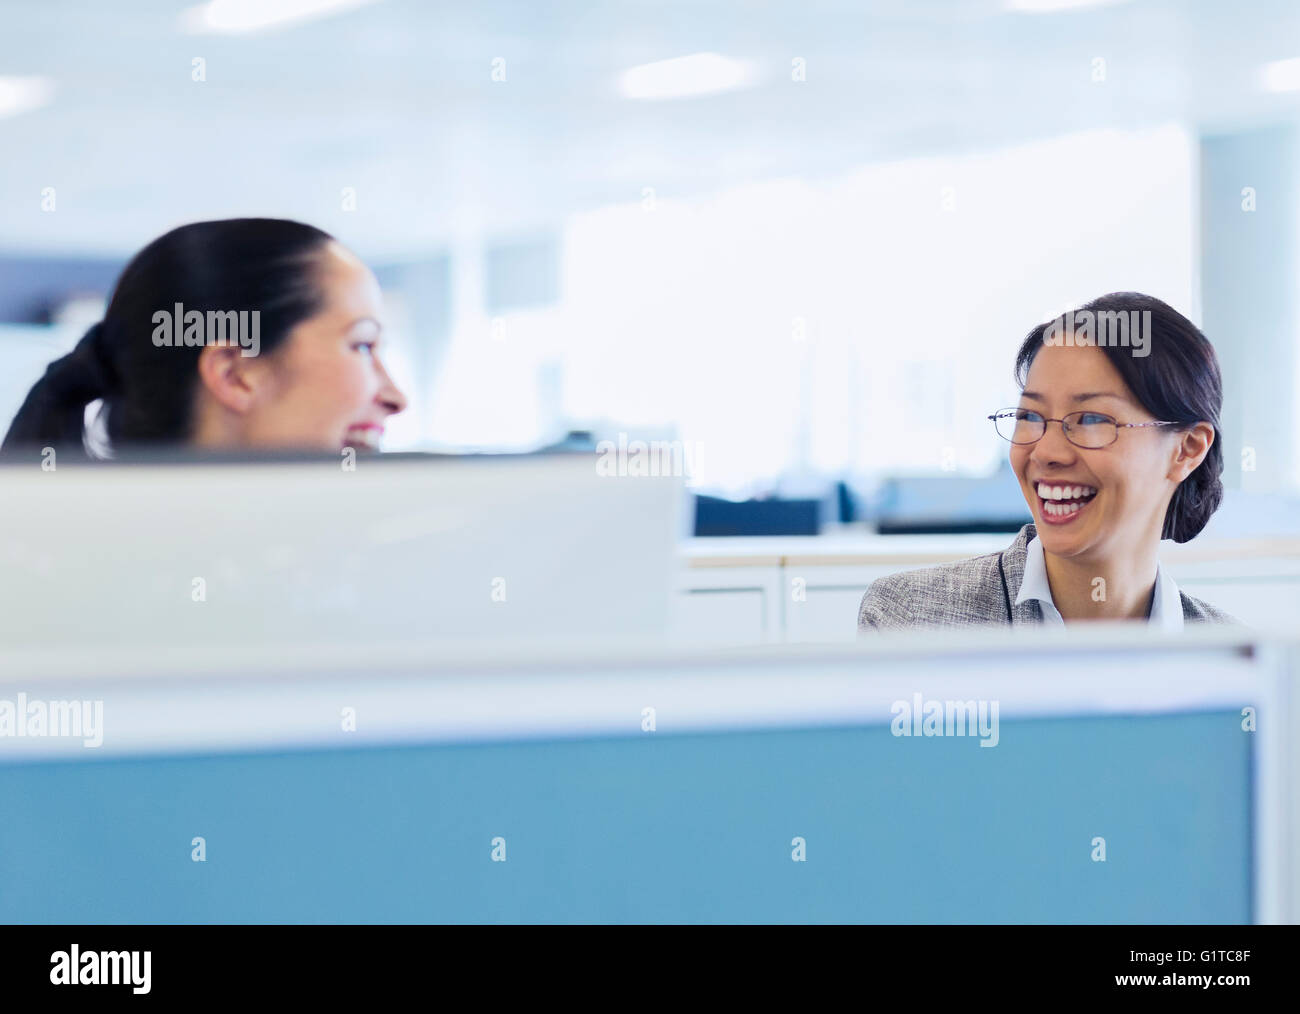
(1178, 380)
(264, 264)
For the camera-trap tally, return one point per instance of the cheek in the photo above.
(1128, 480)
(354, 380)
(319, 396)
(338, 385)
(1019, 460)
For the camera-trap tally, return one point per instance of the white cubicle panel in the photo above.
(441, 550)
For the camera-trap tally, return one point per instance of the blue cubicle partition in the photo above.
(684, 827)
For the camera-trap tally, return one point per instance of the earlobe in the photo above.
(224, 373)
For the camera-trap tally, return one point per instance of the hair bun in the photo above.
(1196, 499)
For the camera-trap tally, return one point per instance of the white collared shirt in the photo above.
(1166, 604)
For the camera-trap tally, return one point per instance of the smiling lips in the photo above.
(365, 436)
(1062, 503)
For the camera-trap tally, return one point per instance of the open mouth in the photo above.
(1060, 504)
(365, 438)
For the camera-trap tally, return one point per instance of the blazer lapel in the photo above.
(1013, 571)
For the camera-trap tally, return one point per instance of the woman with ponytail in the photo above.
(248, 333)
(1116, 444)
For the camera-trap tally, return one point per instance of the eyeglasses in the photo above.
(1089, 430)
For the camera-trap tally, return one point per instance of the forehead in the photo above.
(350, 287)
(1059, 372)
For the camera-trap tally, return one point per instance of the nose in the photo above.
(390, 395)
(1053, 448)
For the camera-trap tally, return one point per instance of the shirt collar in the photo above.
(1166, 604)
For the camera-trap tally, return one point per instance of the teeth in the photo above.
(1061, 509)
(365, 439)
(1064, 492)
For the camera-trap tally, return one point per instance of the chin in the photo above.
(1071, 542)
(1059, 543)
(362, 444)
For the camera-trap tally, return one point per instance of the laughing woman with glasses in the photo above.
(1116, 445)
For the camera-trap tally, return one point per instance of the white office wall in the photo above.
(867, 321)
(25, 351)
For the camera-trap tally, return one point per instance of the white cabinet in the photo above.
(734, 604)
(757, 591)
(1257, 581)
(821, 602)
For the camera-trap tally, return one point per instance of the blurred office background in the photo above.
(805, 239)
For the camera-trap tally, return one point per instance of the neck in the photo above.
(1117, 588)
(214, 429)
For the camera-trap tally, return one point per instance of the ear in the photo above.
(1190, 451)
(228, 376)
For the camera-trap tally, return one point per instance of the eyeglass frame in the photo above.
(1065, 430)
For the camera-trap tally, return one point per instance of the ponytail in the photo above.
(54, 411)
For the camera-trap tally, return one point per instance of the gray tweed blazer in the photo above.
(980, 591)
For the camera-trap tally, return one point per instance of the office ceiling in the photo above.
(396, 100)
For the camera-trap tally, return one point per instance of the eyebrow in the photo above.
(1078, 397)
(366, 320)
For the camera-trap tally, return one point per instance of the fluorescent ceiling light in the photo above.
(697, 74)
(1281, 75)
(1051, 6)
(20, 94)
(236, 17)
